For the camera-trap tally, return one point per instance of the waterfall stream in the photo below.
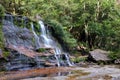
(49, 42)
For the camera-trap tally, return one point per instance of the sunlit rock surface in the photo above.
(99, 55)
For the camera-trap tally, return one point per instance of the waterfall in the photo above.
(45, 40)
(20, 41)
(44, 36)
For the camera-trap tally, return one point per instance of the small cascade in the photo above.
(9, 18)
(45, 38)
(57, 58)
(68, 60)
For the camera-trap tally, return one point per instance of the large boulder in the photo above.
(99, 55)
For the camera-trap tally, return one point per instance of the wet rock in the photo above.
(49, 50)
(117, 61)
(19, 61)
(99, 55)
(49, 64)
(18, 67)
(18, 75)
(17, 36)
(22, 50)
(22, 56)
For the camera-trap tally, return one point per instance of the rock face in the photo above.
(23, 58)
(99, 55)
(17, 36)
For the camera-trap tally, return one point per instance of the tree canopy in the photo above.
(93, 23)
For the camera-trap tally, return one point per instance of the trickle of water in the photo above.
(38, 61)
(57, 58)
(68, 60)
(37, 42)
(9, 18)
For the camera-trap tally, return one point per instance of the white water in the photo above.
(68, 60)
(49, 42)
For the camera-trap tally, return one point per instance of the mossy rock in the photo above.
(41, 50)
(6, 54)
(2, 12)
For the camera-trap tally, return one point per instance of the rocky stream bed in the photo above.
(91, 72)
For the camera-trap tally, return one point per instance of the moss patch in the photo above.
(2, 46)
(79, 59)
(77, 73)
(41, 50)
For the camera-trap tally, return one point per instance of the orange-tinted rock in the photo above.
(50, 64)
(14, 75)
(24, 51)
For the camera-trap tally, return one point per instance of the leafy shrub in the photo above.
(64, 37)
(79, 59)
(115, 55)
(2, 10)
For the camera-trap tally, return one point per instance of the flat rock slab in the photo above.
(16, 75)
(24, 51)
(94, 72)
(99, 55)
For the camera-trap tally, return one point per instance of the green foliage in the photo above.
(6, 54)
(37, 27)
(96, 24)
(41, 50)
(115, 55)
(79, 59)
(2, 10)
(62, 35)
(1, 33)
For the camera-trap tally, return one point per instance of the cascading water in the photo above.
(44, 36)
(49, 42)
(68, 60)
